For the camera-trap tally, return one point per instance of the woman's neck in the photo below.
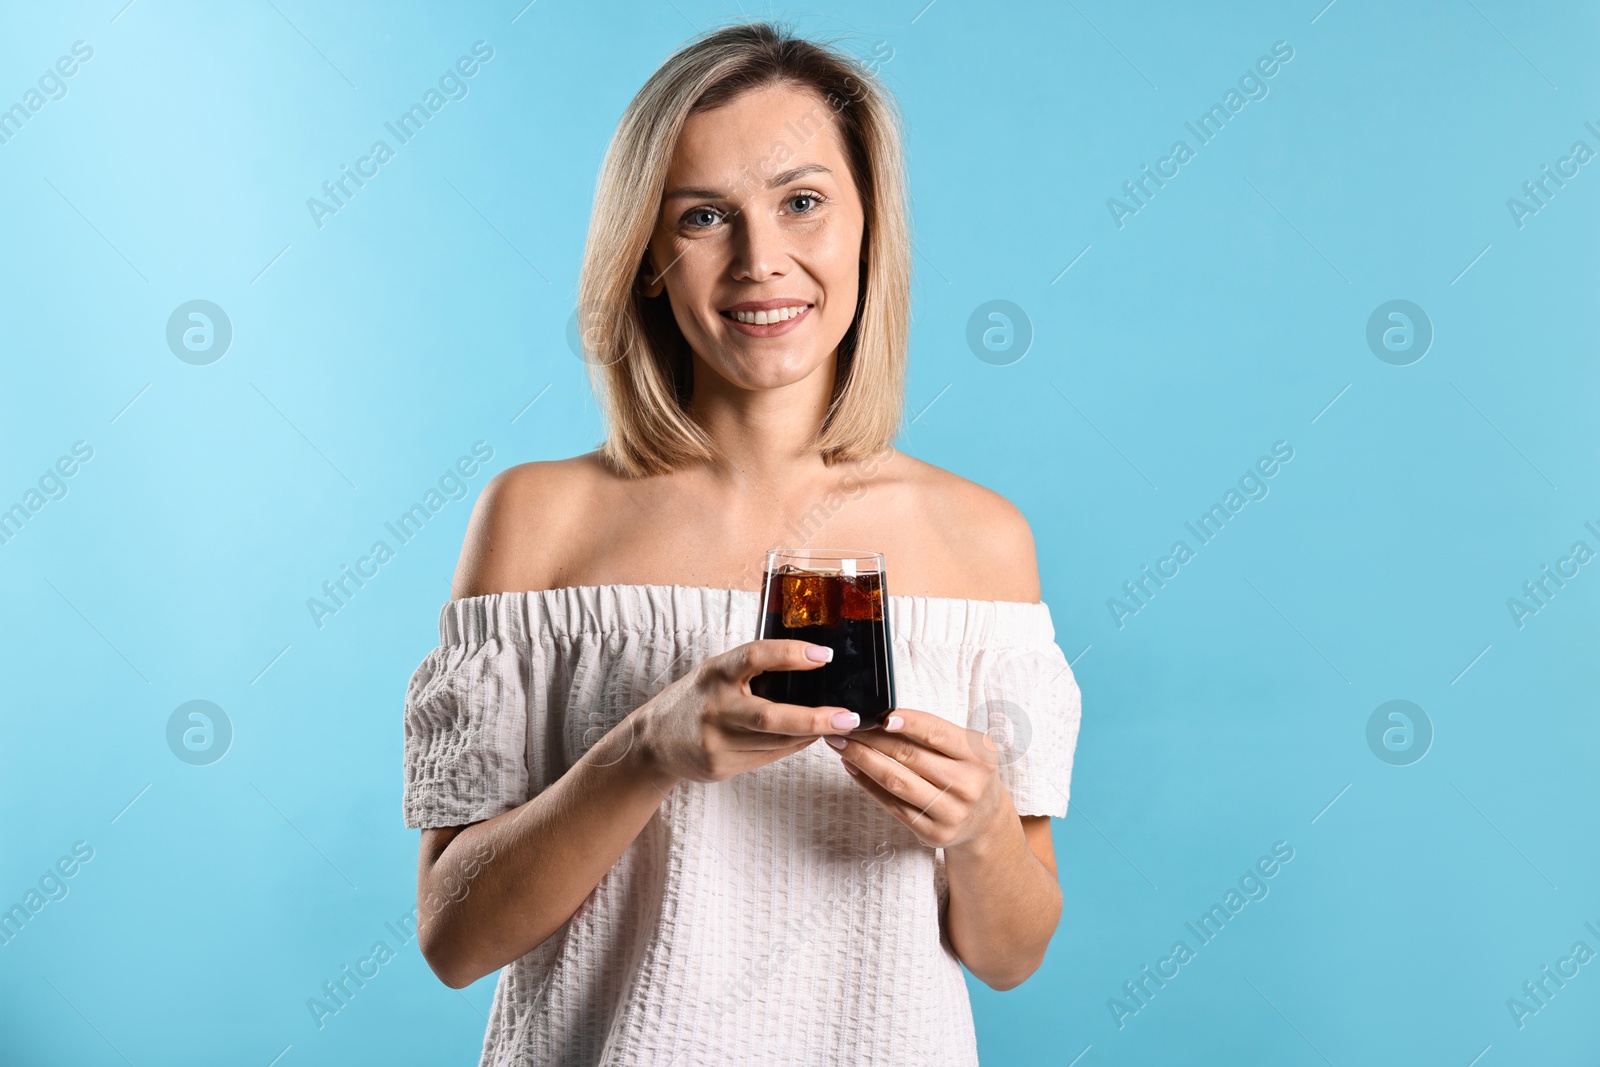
(763, 436)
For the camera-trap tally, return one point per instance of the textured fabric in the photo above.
(780, 917)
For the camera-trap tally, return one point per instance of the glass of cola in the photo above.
(832, 597)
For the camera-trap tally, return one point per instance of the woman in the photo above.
(667, 868)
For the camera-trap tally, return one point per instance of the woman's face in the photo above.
(760, 209)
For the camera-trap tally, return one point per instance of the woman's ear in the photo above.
(648, 282)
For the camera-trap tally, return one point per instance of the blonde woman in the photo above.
(664, 868)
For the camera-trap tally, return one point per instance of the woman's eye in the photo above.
(693, 218)
(814, 198)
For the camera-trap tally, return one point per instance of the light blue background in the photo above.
(1228, 314)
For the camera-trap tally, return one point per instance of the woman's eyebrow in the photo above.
(798, 172)
(698, 192)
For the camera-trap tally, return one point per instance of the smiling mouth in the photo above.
(766, 318)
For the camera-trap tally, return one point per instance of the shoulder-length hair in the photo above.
(639, 361)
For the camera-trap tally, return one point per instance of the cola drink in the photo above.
(835, 599)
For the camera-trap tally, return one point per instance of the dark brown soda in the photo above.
(845, 613)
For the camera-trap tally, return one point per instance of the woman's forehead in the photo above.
(763, 131)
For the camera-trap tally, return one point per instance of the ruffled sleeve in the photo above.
(466, 720)
(1025, 696)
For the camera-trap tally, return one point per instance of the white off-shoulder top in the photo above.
(780, 917)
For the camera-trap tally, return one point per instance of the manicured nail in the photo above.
(845, 720)
(894, 723)
(820, 653)
(851, 769)
(836, 742)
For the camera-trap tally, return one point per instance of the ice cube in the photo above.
(863, 598)
(810, 599)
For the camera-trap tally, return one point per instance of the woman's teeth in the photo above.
(764, 318)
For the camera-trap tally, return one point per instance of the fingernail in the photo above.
(820, 653)
(894, 723)
(851, 769)
(845, 720)
(836, 742)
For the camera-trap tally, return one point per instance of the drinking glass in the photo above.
(833, 597)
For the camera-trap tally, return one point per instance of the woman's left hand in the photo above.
(936, 777)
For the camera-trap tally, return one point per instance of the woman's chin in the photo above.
(776, 371)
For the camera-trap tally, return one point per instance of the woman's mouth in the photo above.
(767, 323)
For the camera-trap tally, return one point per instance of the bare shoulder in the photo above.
(519, 519)
(979, 526)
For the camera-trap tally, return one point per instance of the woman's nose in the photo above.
(758, 244)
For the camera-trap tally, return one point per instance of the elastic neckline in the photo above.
(717, 589)
(524, 616)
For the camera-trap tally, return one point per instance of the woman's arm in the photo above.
(935, 777)
(493, 891)
(1004, 900)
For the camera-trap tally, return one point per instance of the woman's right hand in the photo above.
(707, 726)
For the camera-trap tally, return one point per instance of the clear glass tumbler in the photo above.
(832, 597)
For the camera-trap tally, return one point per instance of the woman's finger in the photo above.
(913, 817)
(753, 741)
(939, 734)
(932, 765)
(894, 777)
(756, 715)
(743, 662)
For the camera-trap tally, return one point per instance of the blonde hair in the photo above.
(639, 361)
